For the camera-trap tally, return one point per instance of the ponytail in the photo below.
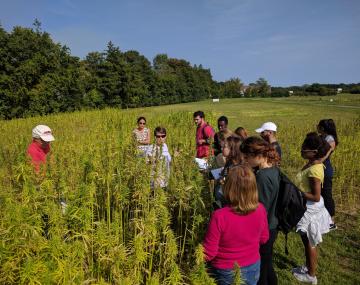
(316, 142)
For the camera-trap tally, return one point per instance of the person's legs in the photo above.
(218, 192)
(308, 275)
(311, 256)
(326, 193)
(221, 276)
(267, 272)
(46, 225)
(250, 274)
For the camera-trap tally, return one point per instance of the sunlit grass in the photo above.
(116, 230)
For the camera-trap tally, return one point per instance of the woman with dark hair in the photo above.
(236, 231)
(262, 157)
(327, 129)
(142, 134)
(316, 219)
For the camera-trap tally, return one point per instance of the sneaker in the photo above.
(306, 278)
(301, 269)
(332, 227)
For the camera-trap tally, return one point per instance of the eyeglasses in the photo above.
(160, 136)
(142, 123)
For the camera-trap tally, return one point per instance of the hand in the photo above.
(201, 141)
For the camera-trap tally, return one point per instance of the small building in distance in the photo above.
(339, 90)
(243, 90)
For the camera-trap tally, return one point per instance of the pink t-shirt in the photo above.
(203, 132)
(234, 238)
(37, 154)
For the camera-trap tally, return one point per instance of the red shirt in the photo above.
(203, 132)
(234, 238)
(37, 154)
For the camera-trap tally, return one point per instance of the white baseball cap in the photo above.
(42, 132)
(268, 126)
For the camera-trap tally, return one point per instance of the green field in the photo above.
(117, 231)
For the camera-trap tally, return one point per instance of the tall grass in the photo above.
(116, 229)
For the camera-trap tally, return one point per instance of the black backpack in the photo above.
(290, 206)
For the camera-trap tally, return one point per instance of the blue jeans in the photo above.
(249, 274)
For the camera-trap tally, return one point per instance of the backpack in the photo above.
(208, 139)
(290, 206)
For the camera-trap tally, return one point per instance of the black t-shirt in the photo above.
(277, 148)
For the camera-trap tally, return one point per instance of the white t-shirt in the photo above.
(329, 138)
(160, 159)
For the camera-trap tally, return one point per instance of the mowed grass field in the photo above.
(116, 231)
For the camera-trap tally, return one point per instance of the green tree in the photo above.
(139, 81)
(232, 88)
(263, 88)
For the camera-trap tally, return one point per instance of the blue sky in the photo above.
(288, 42)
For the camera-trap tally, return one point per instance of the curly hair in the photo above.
(254, 146)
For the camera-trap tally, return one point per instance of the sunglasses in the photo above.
(309, 150)
(142, 123)
(160, 136)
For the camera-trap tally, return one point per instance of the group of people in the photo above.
(244, 227)
(157, 154)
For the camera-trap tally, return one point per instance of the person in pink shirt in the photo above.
(204, 135)
(40, 145)
(236, 231)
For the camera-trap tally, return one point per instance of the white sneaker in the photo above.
(301, 269)
(332, 227)
(304, 277)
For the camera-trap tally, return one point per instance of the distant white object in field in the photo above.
(216, 100)
(339, 90)
(331, 100)
(291, 92)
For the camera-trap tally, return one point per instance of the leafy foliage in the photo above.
(39, 77)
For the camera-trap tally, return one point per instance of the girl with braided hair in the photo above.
(316, 219)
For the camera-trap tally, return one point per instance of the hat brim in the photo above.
(259, 130)
(47, 138)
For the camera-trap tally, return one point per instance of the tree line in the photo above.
(316, 89)
(39, 77)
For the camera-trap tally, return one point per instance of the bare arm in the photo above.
(315, 185)
(332, 148)
(147, 140)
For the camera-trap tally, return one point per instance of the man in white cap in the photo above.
(268, 133)
(40, 145)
